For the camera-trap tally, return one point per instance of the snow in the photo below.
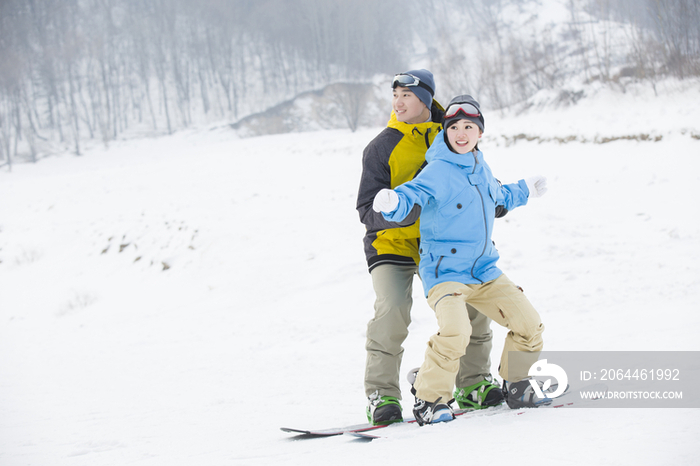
(176, 300)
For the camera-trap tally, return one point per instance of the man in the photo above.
(395, 156)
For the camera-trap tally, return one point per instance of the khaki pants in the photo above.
(388, 329)
(501, 301)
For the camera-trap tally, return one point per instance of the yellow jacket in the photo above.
(395, 156)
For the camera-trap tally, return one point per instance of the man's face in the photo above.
(408, 107)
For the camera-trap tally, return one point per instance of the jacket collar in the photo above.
(415, 130)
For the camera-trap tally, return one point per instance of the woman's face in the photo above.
(463, 135)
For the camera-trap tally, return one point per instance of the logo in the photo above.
(543, 369)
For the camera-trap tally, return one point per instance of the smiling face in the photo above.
(463, 135)
(408, 107)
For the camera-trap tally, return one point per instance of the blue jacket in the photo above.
(458, 196)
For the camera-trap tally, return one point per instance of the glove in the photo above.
(386, 200)
(537, 185)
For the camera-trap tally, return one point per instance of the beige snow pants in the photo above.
(386, 332)
(502, 301)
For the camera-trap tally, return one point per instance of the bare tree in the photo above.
(350, 99)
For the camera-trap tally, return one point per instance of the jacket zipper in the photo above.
(486, 229)
(437, 267)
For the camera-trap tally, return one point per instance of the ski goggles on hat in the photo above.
(408, 80)
(467, 109)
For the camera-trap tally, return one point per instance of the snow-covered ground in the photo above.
(174, 301)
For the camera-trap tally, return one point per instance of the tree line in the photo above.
(480, 47)
(93, 69)
(75, 70)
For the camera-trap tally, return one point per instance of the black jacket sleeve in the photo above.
(376, 175)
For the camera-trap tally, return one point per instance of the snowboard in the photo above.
(498, 410)
(367, 430)
(367, 427)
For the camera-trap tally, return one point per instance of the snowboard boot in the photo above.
(480, 395)
(383, 410)
(431, 413)
(521, 395)
(426, 412)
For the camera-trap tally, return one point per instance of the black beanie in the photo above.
(464, 99)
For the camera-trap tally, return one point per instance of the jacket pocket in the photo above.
(457, 204)
(449, 257)
(494, 191)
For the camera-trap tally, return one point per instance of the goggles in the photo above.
(467, 109)
(408, 80)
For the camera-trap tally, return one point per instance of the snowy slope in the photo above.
(174, 301)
